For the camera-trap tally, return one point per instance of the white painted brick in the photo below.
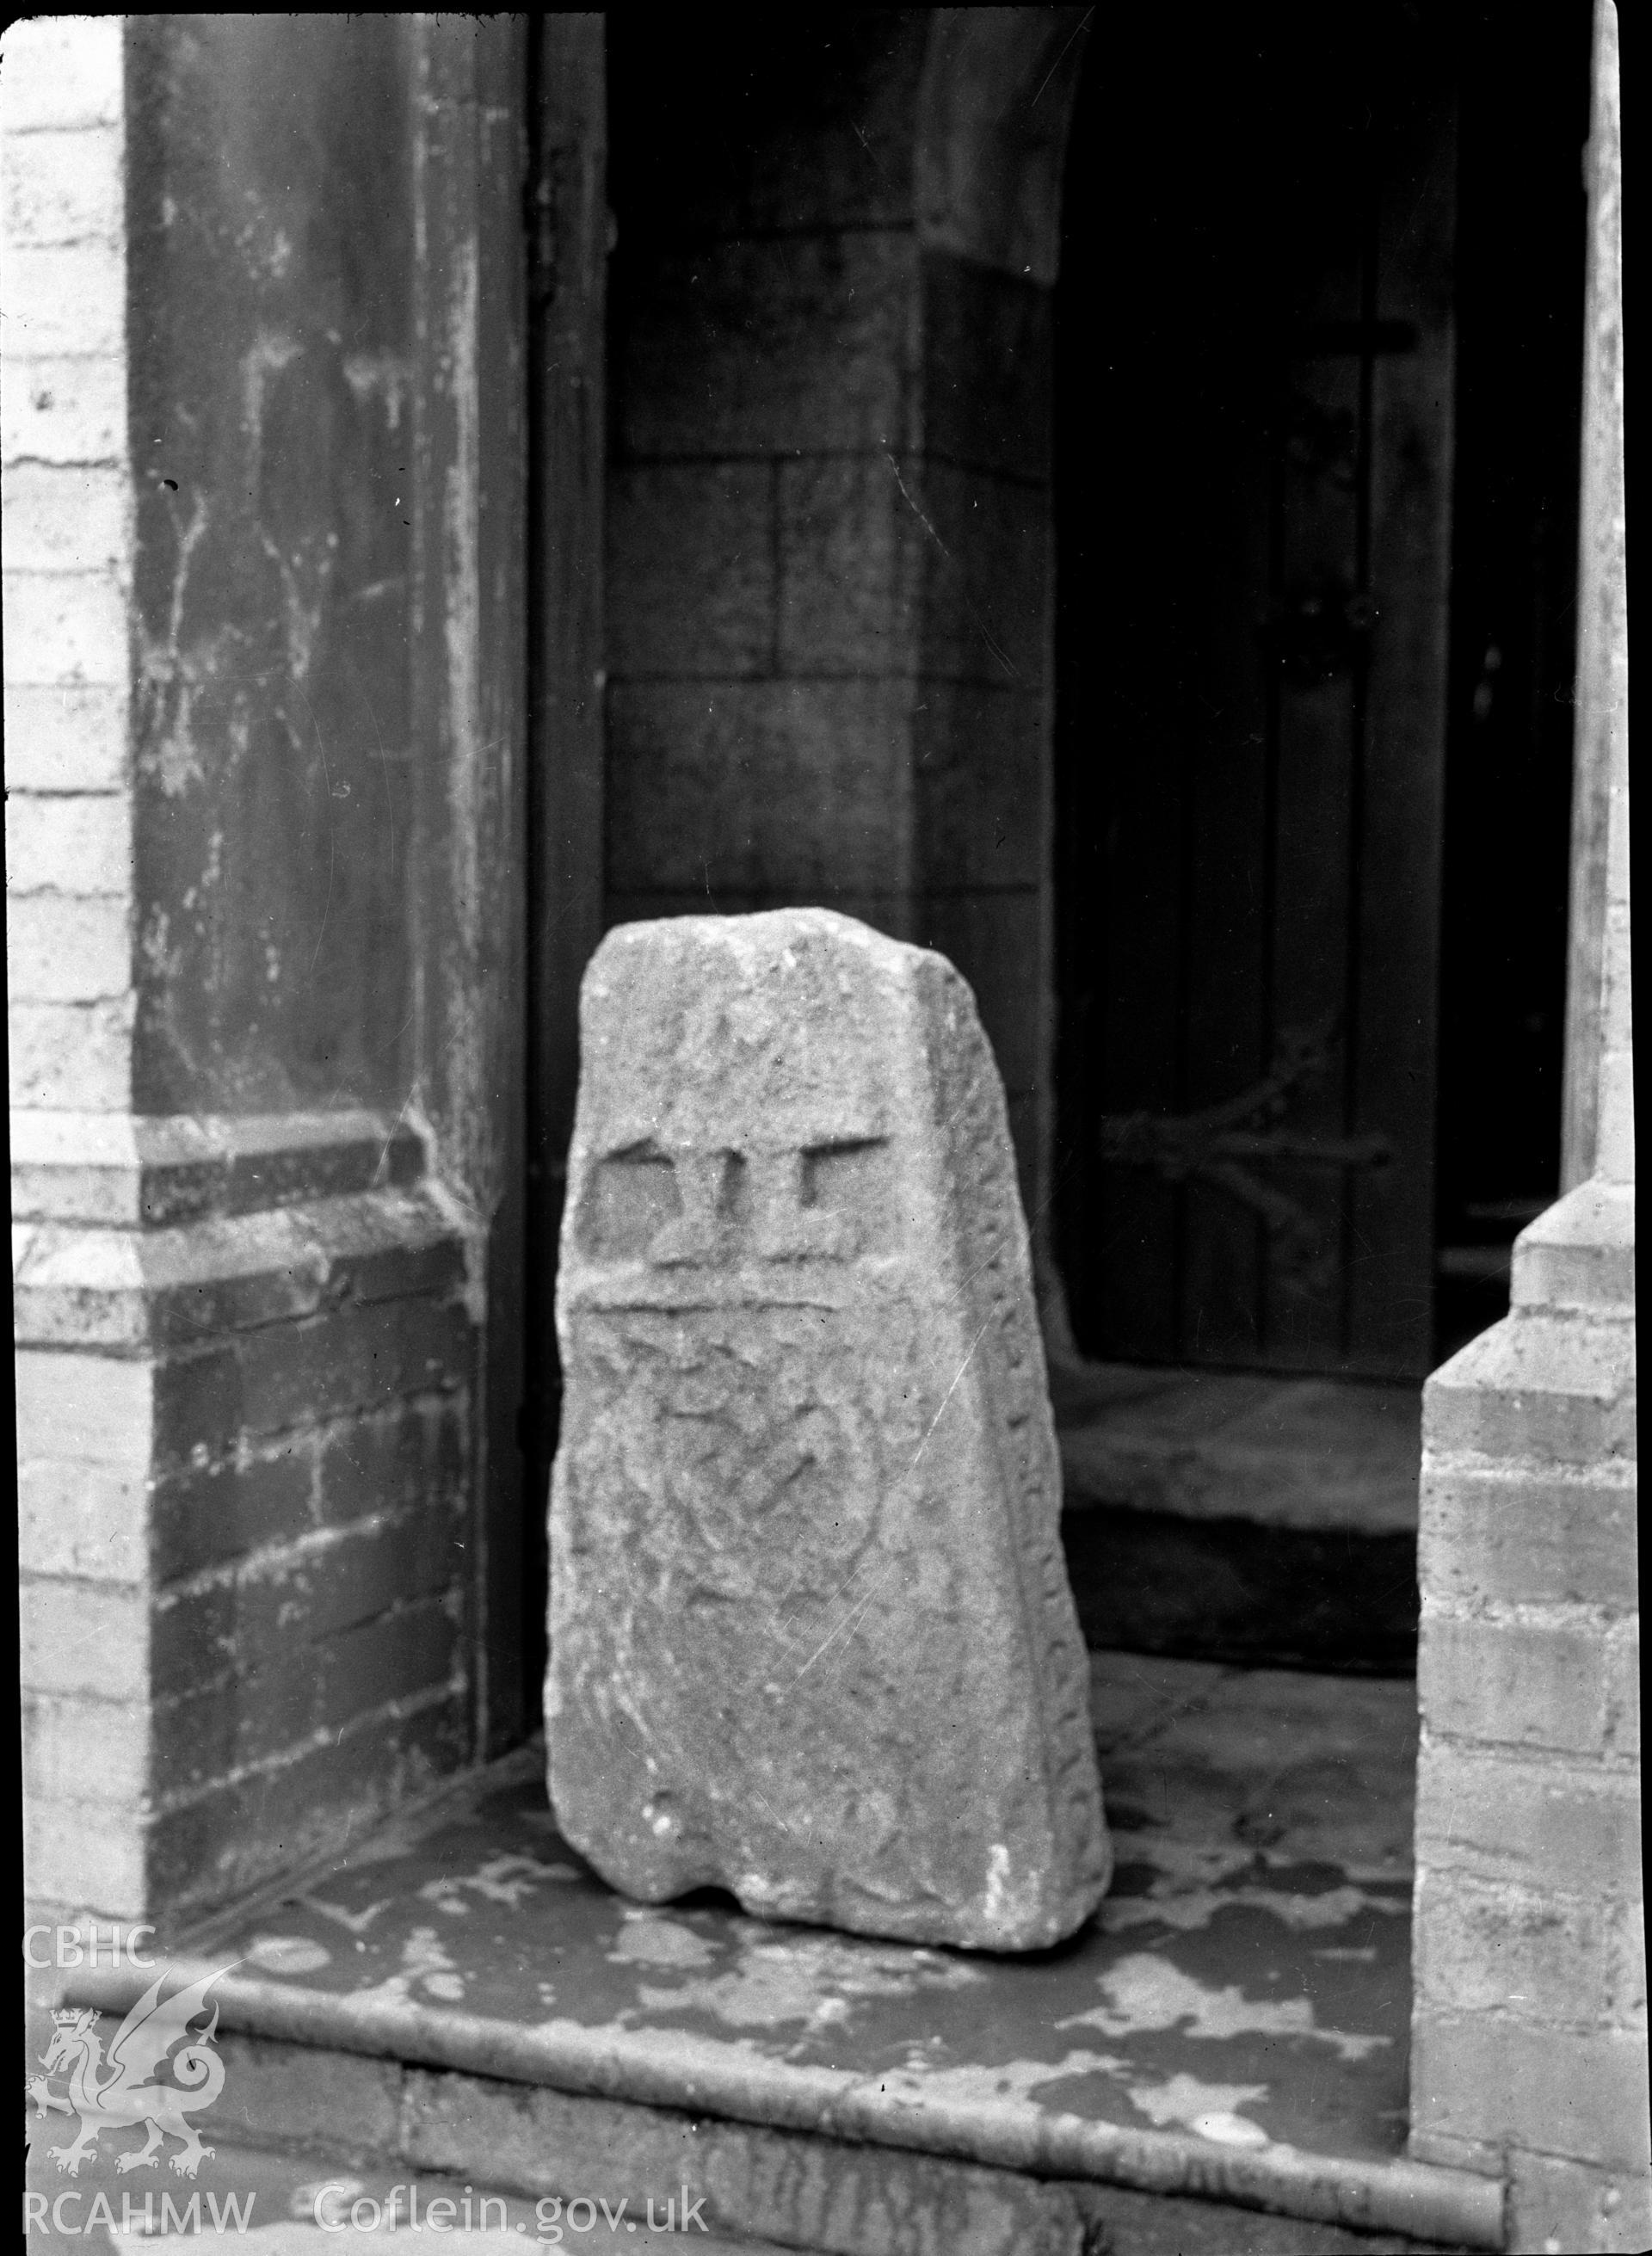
(72, 1057)
(61, 70)
(64, 951)
(68, 1194)
(86, 1750)
(64, 411)
(1485, 2076)
(1518, 1534)
(76, 1167)
(91, 1139)
(1555, 2204)
(1618, 840)
(84, 1519)
(1623, 1688)
(74, 1194)
(65, 739)
(1565, 1828)
(62, 186)
(83, 1407)
(65, 628)
(71, 843)
(1617, 980)
(70, 298)
(1615, 1145)
(1494, 1946)
(80, 1288)
(80, 1855)
(1531, 1675)
(78, 1638)
(65, 518)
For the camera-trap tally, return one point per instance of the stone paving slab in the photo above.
(1234, 2022)
(1306, 1454)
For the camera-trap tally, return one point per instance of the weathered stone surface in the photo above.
(811, 1636)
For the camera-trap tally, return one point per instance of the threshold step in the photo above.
(1316, 1454)
(304, 2202)
(1227, 2038)
(1235, 1517)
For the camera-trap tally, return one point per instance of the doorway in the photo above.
(1250, 685)
(1316, 464)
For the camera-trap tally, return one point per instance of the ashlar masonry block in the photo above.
(811, 1634)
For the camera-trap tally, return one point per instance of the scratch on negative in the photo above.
(905, 1476)
(895, 467)
(395, 1129)
(1083, 26)
(985, 632)
(861, 1603)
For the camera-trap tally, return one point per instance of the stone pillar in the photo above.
(245, 1319)
(1529, 2031)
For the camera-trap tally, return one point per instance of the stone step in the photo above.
(302, 2201)
(1313, 1454)
(1215, 2064)
(1242, 1517)
(312, 2124)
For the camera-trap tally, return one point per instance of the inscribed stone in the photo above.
(811, 1636)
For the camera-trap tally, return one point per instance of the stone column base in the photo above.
(245, 1369)
(1529, 2033)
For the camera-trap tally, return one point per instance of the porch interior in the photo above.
(1217, 2060)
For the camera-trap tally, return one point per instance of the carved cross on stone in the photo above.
(718, 1189)
(811, 1638)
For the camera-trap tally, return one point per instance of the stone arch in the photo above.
(995, 106)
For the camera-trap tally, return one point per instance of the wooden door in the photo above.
(1253, 443)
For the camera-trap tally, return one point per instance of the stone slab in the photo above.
(1309, 1454)
(811, 1637)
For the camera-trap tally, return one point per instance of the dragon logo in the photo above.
(126, 2090)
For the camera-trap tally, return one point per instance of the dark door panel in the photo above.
(1254, 431)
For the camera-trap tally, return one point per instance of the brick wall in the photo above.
(246, 1340)
(1529, 2036)
(63, 442)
